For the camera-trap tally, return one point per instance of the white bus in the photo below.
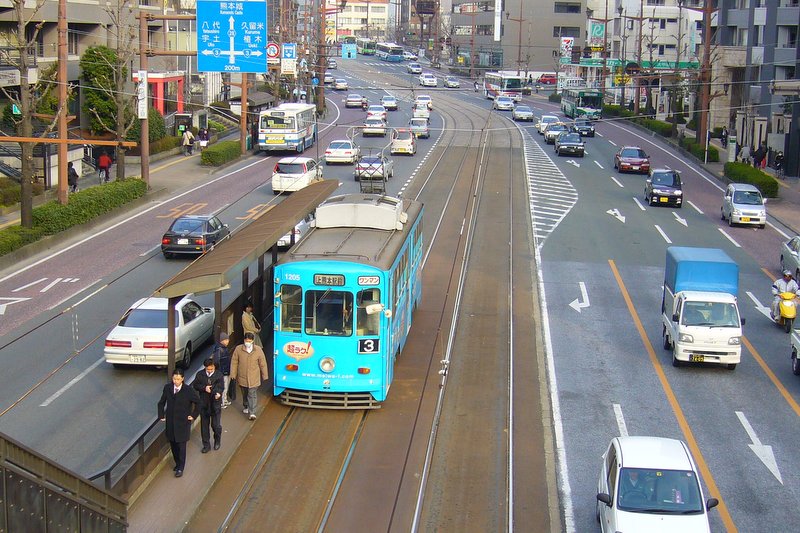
(287, 127)
(503, 84)
(389, 52)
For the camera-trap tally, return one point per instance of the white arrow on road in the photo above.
(762, 451)
(582, 302)
(760, 308)
(616, 214)
(9, 301)
(679, 219)
(573, 162)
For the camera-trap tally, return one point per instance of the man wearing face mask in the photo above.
(249, 369)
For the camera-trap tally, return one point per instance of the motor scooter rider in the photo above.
(364, 104)
(783, 284)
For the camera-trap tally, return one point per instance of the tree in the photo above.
(109, 101)
(29, 97)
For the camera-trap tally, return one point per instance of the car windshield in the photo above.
(404, 136)
(376, 109)
(570, 138)
(547, 120)
(370, 161)
(423, 98)
(374, 122)
(556, 127)
(419, 123)
(291, 168)
(146, 318)
(671, 179)
(352, 97)
(341, 81)
(187, 225)
(582, 123)
(388, 99)
(634, 152)
(504, 99)
(643, 490)
(340, 145)
(523, 109)
(747, 198)
(712, 314)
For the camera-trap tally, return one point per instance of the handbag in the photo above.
(232, 389)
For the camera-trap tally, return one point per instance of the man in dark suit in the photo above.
(177, 407)
(209, 384)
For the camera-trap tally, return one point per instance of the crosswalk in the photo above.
(550, 193)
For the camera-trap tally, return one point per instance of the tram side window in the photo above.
(291, 308)
(329, 313)
(368, 324)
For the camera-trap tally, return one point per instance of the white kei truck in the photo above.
(700, 315)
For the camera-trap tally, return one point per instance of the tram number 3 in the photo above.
(369, 345)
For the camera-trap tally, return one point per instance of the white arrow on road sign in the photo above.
(760, 308)
(616, 214)
(582, 302)
(679, 219)
(9, 301)
(573, 162)
(762, 451)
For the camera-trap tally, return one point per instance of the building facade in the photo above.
(360, 18)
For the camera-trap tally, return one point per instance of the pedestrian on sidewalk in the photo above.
(723, 136)
(249, 369)
(222, 359)
(103, 167)
(187, 141)
(178, 407)
(744, 155)
(204, 137)
(72, 177)
(250, 324)
(759, 155)
(209, 384)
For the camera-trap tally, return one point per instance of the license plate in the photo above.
(696, 358)
(663, 200)
(635, 168)
(183, 241)
(274, 141)
(745, 219)
(138, 358)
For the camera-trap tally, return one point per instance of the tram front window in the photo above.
(329, 312)
(291, 308)
(367, 324)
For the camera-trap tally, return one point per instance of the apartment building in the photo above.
(361, 18)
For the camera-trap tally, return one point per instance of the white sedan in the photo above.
(340, 85)
(503, 103)
(342, 151)
(377, 111)
(424, 99)
(374, 126)
(426, 79)
(140, 337)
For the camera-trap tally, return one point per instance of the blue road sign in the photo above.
(348, 51)
(314, 81)
(289, 51)
(232, 36)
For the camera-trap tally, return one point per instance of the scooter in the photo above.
(787, 307)
(364, 105)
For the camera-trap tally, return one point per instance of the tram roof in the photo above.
(224, 264)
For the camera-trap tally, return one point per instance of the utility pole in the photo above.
(636, 86)
(519, 20)
(605, 21)
(675, 72)
(705, 75)
(322, 59)
(62, 97)
(623, 59)
(144, 138)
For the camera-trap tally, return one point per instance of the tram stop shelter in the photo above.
(217, 269)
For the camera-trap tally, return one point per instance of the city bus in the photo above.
(344, 301)
(365, 46)
(389, 52)
(348, 39)
(503, 84)
(287, 127)
(581, 102)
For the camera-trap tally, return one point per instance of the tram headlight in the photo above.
(327, 364)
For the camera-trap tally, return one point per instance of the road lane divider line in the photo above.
(623, 428)
(639, 204)
(663, 235)
(79, 302)
(596, 162)
(615, 180)
(72, 382)
(151, 250)
(674, 404)
(780, 231)
(771, 375)
(694, 206)
(31, 284)
(736, 244)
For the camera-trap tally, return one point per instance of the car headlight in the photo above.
(678, 193)
(735, 341)
(685, 337)
(327, 364)
(736, 212)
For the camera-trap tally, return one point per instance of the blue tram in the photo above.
(344, 298)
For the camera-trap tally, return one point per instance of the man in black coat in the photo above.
(209, 384)
(178, 407)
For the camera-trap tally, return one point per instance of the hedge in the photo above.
(165, 144)
(554, 97)
(10, 191)
(220, 153)
(744, 173)
(216, 127)
(698, 149)
(616, 111)
(83, 206)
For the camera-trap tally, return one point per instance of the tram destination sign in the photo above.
(232, 36)
(332, 280)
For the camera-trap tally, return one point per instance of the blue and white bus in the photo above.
(344, 301)
(389, 52)
(287, 127)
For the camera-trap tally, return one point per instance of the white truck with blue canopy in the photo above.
(701, 321)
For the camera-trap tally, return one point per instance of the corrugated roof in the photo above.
(225, 263)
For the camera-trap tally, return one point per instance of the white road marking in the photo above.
(736, 244)
(582, 302)
(664, 235)
(79, 302)
(596, 162)
(623, 429)
(616, 214)
(695, 207)
(780, 232)
(148, 252)
(32, 283)
(762, 451)
(612, 143)
(50, 285)
(615, 180)
(637, 202)
(10, 301)
(679, 219)
(759, 306)
(72, 382)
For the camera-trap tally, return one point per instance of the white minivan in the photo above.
(743, 204)
(294, 173)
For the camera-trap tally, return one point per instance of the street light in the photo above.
(623, 60)
(603, 75)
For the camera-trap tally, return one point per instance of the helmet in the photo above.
(787, 273)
